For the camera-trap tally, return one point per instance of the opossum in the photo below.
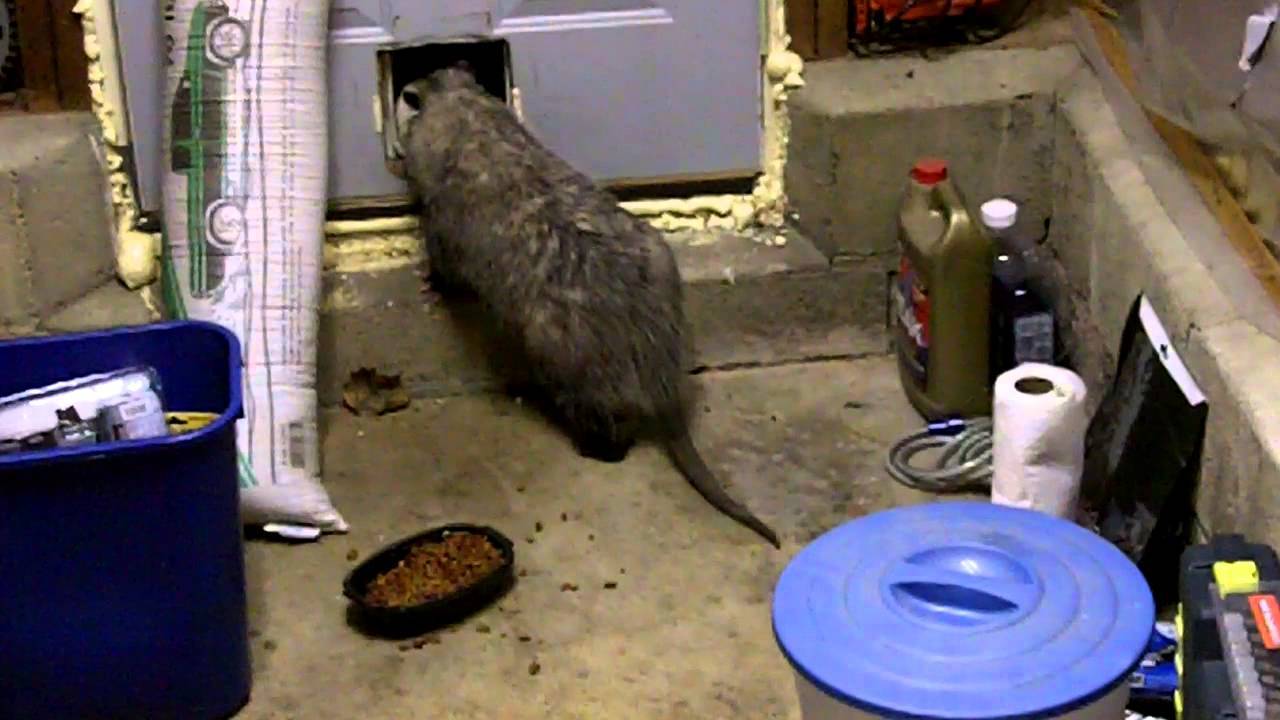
(588, 293)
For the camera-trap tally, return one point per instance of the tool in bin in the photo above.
(104, 407)
(1228, 628)
(1153, 683)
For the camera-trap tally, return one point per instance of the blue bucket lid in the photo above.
(962, 610)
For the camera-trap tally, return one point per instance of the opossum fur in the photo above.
(587, 293)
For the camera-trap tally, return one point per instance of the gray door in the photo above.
(640, 90)
(634, 90)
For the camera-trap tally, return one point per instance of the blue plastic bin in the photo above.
(962, 610)
(122, 582)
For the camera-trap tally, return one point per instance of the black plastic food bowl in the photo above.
(411, 620)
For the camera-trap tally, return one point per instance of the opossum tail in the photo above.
(690, 463)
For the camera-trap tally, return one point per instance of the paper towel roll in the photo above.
(1039, 423)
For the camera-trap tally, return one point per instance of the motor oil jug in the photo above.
(942, 298)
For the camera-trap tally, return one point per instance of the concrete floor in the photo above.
(685, 634)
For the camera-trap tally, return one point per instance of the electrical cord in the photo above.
(963, 465)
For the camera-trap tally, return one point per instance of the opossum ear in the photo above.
(584, 223)
(412, 97)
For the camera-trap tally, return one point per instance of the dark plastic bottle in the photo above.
(1022, 323)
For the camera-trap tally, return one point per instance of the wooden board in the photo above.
(802, 26)
(39, 68)
(1204, 175)
(832, 28)
(55, 73)
(72, 64)
(819, 29)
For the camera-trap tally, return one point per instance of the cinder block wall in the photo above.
(57, 264)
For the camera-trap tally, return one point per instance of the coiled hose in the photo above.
(963, 465)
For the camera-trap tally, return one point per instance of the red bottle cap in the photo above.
(929, 171)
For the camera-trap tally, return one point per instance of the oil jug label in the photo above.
(1033, 338)
(912, 309)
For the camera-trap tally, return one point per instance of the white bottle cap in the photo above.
(999, 214)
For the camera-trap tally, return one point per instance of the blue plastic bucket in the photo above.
(122, 565)
(962, 610)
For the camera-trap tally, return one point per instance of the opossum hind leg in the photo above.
(437, 271)
(599, 435)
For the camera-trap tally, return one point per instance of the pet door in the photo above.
(398, 66)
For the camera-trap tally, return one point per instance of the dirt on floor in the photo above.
(635, 598)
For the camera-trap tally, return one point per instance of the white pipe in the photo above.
(246, 143)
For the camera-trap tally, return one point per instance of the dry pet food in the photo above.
(433, 570)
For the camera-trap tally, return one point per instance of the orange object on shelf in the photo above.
(877, 26)
(868, 11)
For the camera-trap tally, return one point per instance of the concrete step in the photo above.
(748, 303)
(57, 263)
(988, 113)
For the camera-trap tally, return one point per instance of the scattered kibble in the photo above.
(525, 638)
(564, 517)
(592, 537)
(433, 570)
(537, 526)
(529, 540)
(568, 587)
(611, 585)
(483, 629)
(519, 488)
(534, 668)
(522, 572)
(269, 645)
(422, 642)
(353, 555)
(622, 571)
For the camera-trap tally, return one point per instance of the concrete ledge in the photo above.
(1240, 486)
(57, 262)
(58, 197)
(111, 305)
(747, 303)
(1110, 229)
